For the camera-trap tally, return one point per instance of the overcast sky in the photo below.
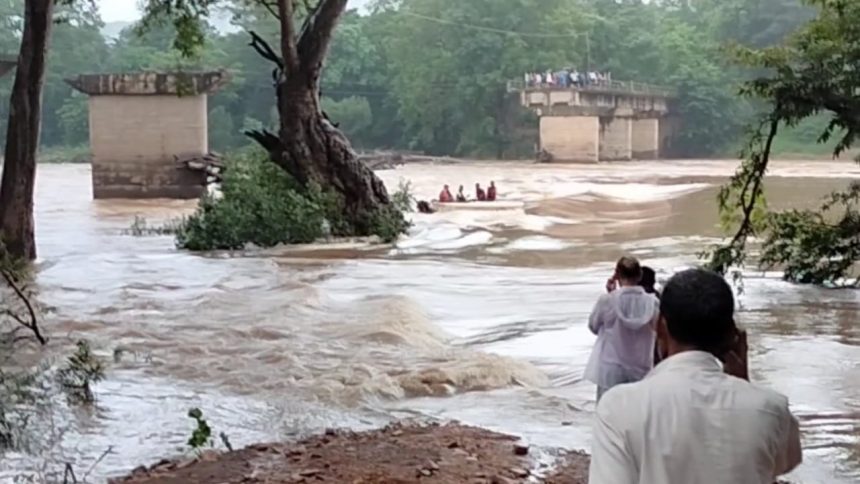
(126, 10)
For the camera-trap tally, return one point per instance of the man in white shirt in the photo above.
(689, 421)
(623, 320)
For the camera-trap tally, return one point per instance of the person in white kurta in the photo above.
(689, 421)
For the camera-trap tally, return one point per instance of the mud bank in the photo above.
(399, 453)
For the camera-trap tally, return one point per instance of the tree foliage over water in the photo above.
(430, 75)
(813, 75)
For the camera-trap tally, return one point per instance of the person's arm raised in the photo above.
(735, 360)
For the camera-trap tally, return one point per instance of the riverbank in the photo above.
(398, 453)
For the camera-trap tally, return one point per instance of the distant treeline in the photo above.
(430, 75)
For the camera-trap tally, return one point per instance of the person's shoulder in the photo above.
(758, 397)
(616, 402)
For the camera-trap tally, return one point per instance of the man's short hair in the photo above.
(698, 307)
(628, 269)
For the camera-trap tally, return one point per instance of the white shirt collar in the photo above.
(700, 360)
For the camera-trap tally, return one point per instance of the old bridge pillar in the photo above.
(139, 124)
(7, 63)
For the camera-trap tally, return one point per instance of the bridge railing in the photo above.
(611, 86)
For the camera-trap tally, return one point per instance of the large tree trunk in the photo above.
(308, 146)
(22, 133)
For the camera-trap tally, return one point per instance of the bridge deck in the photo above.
(607, 87)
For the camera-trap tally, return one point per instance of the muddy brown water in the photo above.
(476, 315)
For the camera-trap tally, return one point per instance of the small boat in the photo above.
(474, 205)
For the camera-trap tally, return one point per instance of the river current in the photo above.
(478, 316)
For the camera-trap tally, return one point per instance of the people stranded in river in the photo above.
(445, 195)
(461, 197)
(693, 420)
(491, 192)
(624, 321)
(480, 194)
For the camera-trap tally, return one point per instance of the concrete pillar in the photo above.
(7, 63)
(139, 124)
(669, 129)
(616, 139)
(646, 139)
(571, 138)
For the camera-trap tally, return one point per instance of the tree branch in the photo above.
(271, 8)
(317, 33)
(289, 50)
(265, 50)
(33, 323)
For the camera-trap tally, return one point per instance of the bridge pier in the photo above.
(7, 63)
(616, 139)
(646, 139)
(139, 124)
(573, 138)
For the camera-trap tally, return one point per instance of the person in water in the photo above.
(623, 320)
(480, 194)
(491, 192)
(693, 420)
(461, 197)
(445, 195)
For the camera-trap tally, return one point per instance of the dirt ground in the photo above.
(399, 453)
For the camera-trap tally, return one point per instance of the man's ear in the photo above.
(662, 336)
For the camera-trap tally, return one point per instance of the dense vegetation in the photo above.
(812, 76)
(430, 75)
(260, 204)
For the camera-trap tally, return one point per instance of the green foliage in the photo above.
(803, 79)
(18, 391)
(260, 204)
(403, 199)
(202, 433)
(140, 227)
(83, 369)
(817, 247)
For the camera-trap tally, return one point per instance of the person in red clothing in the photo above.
(479, 193)
(445, 195)
(491, 192)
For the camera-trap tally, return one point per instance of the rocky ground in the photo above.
(399, 453)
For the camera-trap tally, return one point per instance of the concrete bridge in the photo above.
(7, 63)
(609, 121)
(141, 124)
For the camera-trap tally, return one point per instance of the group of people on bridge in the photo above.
(489, 195)
(569, 77)
(675, 404)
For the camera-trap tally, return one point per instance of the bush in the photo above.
(261, 204)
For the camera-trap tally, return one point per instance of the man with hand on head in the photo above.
(623, 320)
(693, 419)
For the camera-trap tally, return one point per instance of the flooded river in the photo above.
(476, 315)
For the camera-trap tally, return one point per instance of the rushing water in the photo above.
(476, 315)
